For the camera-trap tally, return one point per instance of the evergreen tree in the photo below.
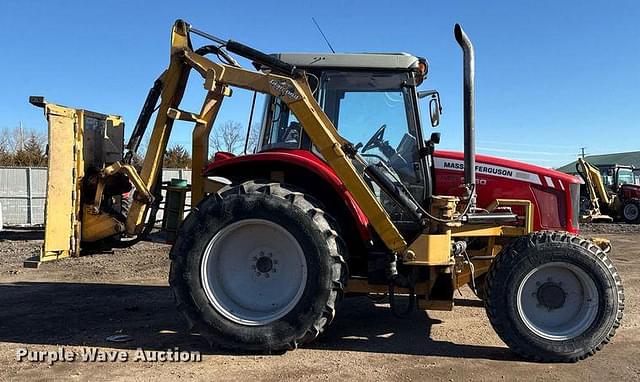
(177, 157)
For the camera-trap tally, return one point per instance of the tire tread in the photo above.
(512, 252)
(325, 223)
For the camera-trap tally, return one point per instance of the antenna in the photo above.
(323, 36)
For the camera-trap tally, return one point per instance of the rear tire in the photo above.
(631, 211)
(554, 297)
(258, 267)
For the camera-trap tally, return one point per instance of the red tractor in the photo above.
(345, 194)
(350, 85)
(372, 100)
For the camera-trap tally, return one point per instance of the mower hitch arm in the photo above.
(259, 57)
(276, 65)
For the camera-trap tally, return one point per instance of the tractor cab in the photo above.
(373, 102)
(619, 177)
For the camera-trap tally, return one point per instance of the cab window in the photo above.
(282, 127)
(625, 176)
(374, 112)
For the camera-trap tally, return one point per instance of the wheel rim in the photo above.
(557, 301)
(253, 272)
(631, 212)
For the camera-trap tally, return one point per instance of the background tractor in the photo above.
(344, 195)
(609, 193)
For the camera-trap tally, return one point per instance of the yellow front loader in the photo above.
(266, 254)
(617, 200)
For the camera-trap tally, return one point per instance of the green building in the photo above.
(631, 158)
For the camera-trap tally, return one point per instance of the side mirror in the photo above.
(435, 108)
(434, 112)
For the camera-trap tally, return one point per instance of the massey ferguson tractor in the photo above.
(345, 194)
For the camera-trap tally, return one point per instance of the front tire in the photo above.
(258, 267)
(554, 297)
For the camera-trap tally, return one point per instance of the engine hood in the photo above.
(506, 168)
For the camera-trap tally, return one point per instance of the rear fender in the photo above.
(300, 168)
(630, 191)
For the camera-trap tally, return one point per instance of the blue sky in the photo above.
(552, 76)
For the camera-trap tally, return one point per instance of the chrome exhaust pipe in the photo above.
(469, 113)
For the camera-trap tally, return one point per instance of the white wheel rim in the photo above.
(253, 272)
(631, 212)
(557, 301)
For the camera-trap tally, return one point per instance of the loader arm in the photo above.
(294, 91)
(594, 184)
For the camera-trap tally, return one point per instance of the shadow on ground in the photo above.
(16, 234)
(84, 314)
(368, 327)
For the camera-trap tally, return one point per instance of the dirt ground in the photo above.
(77, 303)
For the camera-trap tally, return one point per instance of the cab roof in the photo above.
(388, 61)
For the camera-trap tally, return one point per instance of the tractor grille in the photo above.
(575, 204)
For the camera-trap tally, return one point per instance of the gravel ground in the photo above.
(77, 303)
(609, 228)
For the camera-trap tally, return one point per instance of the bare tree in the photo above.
(6, 153)
(228, 136)
(254, 137)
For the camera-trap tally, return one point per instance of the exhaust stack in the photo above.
(469, 113)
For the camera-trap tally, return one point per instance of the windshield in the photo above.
(626, 176)
(374, 112)
(607, 176)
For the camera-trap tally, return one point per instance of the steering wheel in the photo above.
(375, 139)
(292, 132)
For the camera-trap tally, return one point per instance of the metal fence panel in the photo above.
(20, 204)
(13, 182)
(39, 182)
(23, 191)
